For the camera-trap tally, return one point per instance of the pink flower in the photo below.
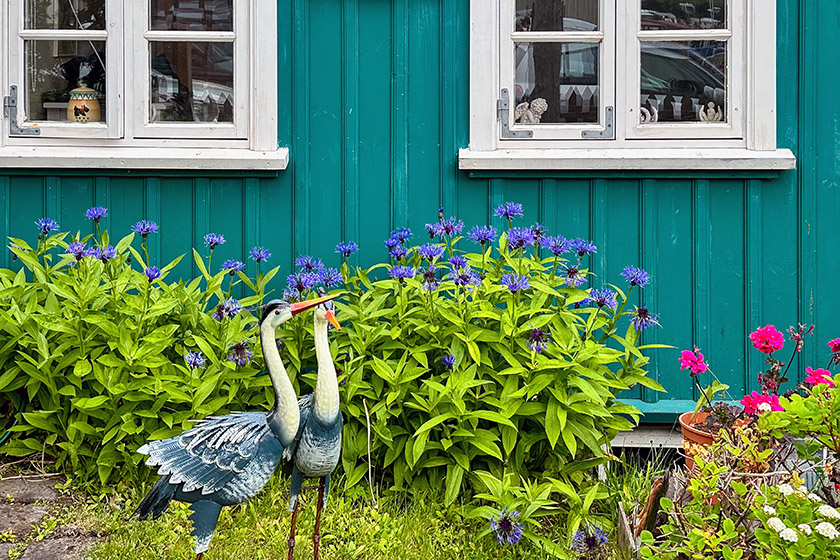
(753, 402)
(834, 345)
(819, 376)
(767, 339)
(694, 362)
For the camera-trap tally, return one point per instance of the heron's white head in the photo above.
(278, 311)
(326, 312)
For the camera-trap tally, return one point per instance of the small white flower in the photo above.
(776, 524)
(827, 530)
(786, 489)
(814, 498)
(764, 407)
(769, 510)
(828, 511)
(789, 535)
(801, 490)
(805, 528)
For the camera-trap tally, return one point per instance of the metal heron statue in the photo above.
(226, 460)
(317, 446)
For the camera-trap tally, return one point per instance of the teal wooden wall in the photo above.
(374, 105)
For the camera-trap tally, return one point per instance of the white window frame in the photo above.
(126, 140)
(746, 142)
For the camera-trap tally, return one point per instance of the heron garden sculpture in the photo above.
(226, 460)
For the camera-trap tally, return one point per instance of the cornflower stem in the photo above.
(145, 250)
(98, 232)
(553, 272)
(617, 315)
(521, 250)
(483, 259)
(142, 325)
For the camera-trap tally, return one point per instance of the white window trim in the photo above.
(258, 152)
(756, 151)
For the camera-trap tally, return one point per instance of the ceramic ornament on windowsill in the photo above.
(530, 113)
(84, 103)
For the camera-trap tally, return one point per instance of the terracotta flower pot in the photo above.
(693, 435)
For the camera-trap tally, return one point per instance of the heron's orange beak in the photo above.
(331, 318)
(302, 306)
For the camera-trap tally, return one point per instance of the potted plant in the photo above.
(702, 425)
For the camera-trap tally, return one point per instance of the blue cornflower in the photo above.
(194, 360)
(589, 542)
(430, 252)
(430, 281)
(391, 242)
(448, 361)
(508, 530)
(213, 240)
(556, 244)
(233, 266)
(458, 262)
(399, 252)
(309, 264)
(583, 247)
(538, 340)
(636, 276)
(642, 318)
(602, 298)
(259, 254)
(96, 213)
(144, 227)
(402, 272)
(330, 277)
(482, 234)
(228, 308)
(515, 283)
(519, 238)
(538, 230)
(77, 249)
(402, 234)
(346, 248)
(46, 225)
(465, 277)
(291, 294)
(509, 210)
(152, 273)
(103, 254)
(452, 226)
(434, 230)
(574, 278)
(303, 281)
(240, 353)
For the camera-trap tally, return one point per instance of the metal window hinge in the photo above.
(10, 103)
(503, 114)
(609, 126)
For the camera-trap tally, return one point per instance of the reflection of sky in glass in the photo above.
(191, 82)
(680, 79)
(557, 15)
(564, 74)
(192, 15)
(674, 15)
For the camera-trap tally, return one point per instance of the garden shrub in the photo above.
(492, 360)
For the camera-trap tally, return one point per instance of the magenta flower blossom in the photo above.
(819, 376)
(693, 361)
(755, 403)
(767, 339)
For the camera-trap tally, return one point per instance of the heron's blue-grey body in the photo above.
(227, 460)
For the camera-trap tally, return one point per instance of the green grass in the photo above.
(351, 529)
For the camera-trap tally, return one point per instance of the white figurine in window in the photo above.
(713, 114)
(526, 113)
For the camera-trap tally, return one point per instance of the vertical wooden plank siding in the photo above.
(373, 104)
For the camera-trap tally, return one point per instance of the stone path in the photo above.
(24, 503)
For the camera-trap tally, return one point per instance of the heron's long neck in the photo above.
(285, 416)
(325, 401)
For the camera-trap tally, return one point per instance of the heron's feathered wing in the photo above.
(305, 406)
(207, 457)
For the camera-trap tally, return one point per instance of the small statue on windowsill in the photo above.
(530, 113)
(712, 114)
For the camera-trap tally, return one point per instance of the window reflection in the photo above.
(64, 14)
(192, 15)
(191, 82)
(557, 15)
(683, 81)
(673, 14)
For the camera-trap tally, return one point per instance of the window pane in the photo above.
(191, 82)
(557, 15)
(64, 14)
(683, 81)
(564, 75)
(696, 14)
(192, 15)
(62, 73)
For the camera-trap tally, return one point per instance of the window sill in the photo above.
(89, 157)
(627, 159)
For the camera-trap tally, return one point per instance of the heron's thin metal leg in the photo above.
(292, 530)
(316, 537)
(199, 556)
